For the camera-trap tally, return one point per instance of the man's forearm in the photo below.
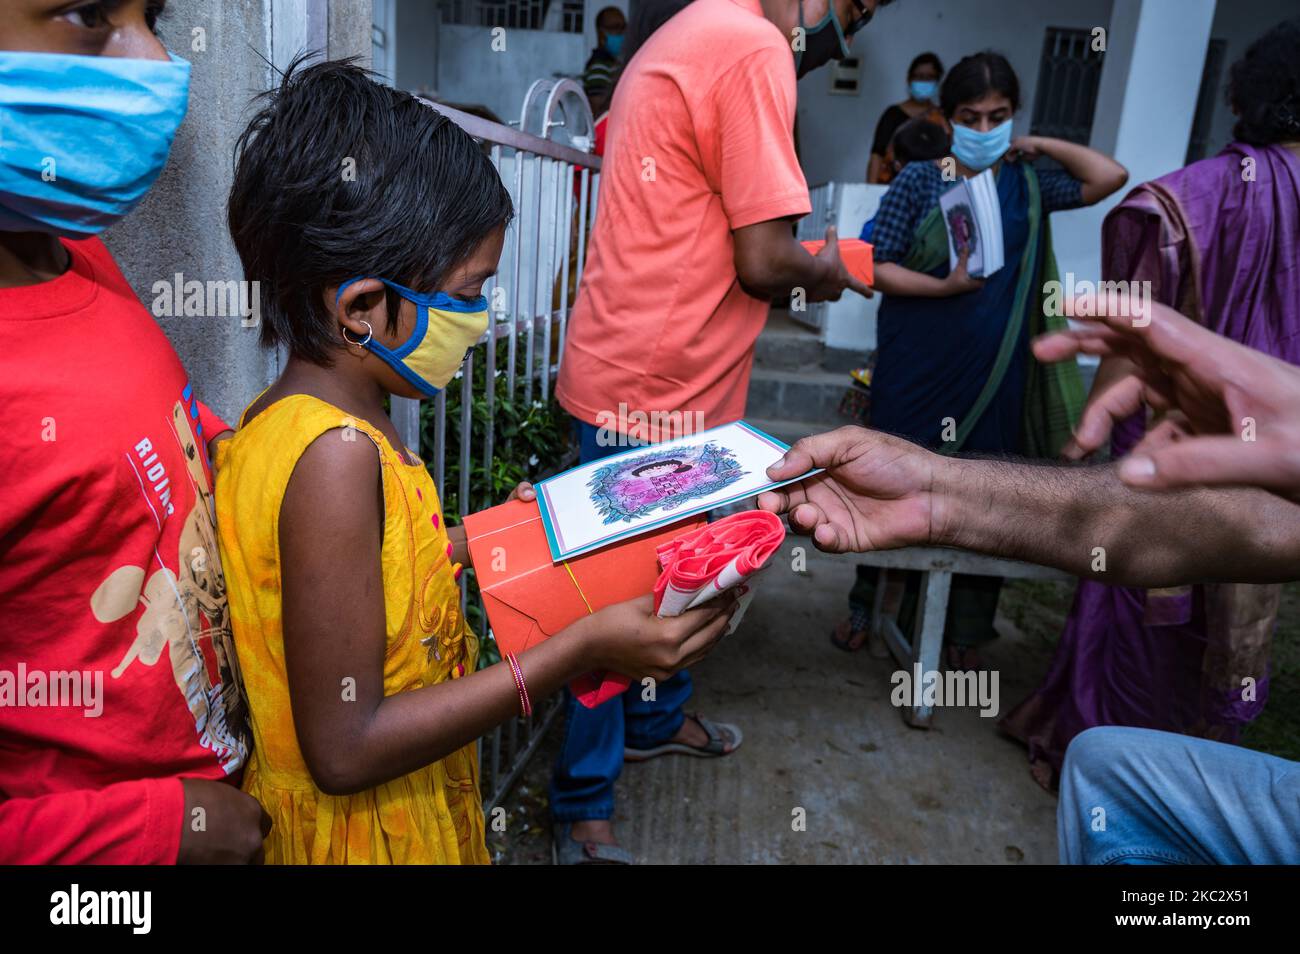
(1085, 521)
(789, 267)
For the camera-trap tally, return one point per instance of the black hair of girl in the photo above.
(339, 176)
(925, 59)
(681, 468)
(976, 75)
(1264, 87)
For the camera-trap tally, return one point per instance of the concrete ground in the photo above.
(821, 735)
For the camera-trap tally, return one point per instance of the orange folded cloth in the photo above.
(711, 560)
(856, 254)
(529, 598)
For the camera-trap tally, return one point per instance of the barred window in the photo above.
(1066, 96)
(515, 14)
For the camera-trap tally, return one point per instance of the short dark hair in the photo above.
(604, 14)
(920, 140)
(1264, 87)
(926, 59)
(976, 75)
(420, 198)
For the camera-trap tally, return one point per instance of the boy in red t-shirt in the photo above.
(121, 712)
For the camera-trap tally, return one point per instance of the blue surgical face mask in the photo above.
(614, 44)
(923, 89)
(82, 138)
(445, 328)
(979, 150)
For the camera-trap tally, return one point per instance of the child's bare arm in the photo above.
(352, 736)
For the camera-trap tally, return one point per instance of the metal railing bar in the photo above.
(583, 199)
(549, 288)
(466, 443)
(495, 133)
(564, 250)
(440, 444)
(514, 292)
(490, 370)
(530, 357)
(520, 761)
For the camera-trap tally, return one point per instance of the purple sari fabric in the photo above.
(1220, 242)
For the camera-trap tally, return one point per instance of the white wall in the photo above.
(1240, 22)
(470, 72)
(835, 131)
(415, 66)
(459, 63)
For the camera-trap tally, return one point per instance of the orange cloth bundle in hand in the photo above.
(718, 556)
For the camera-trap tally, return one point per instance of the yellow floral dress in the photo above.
(433, 815)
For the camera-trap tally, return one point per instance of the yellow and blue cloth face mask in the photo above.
(446, 328)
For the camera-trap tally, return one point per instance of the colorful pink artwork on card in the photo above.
(961, 223)
(663, 480)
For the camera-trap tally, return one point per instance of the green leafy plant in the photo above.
(530, 438)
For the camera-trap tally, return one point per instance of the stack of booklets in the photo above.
(974, 219)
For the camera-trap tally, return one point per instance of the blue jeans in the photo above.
(582, 782)
(1137, 796)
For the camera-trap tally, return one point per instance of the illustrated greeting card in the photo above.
(646, 487)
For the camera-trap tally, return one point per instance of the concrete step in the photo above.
(791, 431)
(787, 345)
(812, 396)
(787, 352)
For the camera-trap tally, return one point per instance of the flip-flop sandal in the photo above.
(566, 851)
(714, 748)
(859, 622)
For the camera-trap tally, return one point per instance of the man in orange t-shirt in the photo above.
(700, 187)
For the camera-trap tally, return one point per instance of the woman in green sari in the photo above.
(953, 366)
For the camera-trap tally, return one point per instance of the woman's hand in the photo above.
(524, 491)
(629, 638)
(1027, 148)
(959, 280)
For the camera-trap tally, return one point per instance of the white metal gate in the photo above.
(553, 185)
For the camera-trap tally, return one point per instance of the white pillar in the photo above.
(1150, 77)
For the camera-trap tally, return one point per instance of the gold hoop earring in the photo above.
(370, 333)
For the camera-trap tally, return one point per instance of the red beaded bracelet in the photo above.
(525, 703)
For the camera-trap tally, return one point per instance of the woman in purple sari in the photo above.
(1218, 241)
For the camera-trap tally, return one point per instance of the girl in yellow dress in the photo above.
(342, 572)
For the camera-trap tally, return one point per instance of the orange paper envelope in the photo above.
(856, 254)
(529, 598)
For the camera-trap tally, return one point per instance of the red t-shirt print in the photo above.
(109, 569)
